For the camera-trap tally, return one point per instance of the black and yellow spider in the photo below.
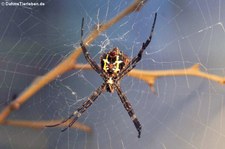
(114, 66)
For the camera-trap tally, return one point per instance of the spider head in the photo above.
(112, 62)
(114, 52)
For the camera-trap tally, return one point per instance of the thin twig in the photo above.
(42, 124)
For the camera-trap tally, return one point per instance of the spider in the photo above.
(114, 66)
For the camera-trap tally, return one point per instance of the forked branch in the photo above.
(150, 76)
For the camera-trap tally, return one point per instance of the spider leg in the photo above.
(75, 115)
(137, 58)
(87, 56)
(145, 44)
(65, 120)
(129, 109)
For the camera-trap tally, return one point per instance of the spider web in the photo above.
(186, 113)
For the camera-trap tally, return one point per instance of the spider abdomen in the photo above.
(113, 62)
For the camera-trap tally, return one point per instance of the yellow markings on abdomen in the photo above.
(106, 62)
(112, 65)
(117, 64)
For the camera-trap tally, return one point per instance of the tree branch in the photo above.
(150, 76)
(67, 64)
(42, 124)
